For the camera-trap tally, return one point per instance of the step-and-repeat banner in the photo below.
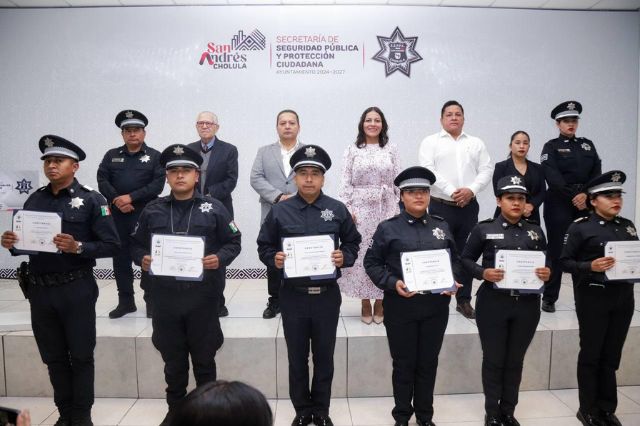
(69, 71)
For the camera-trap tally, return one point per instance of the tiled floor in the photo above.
(540, 408)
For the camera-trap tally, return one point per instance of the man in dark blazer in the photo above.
(218, 173)
(272, 178)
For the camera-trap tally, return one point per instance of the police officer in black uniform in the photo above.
(415, 322)
(129, 177)
(507, 319)
(185, 322)
(604, 308)
(62, 291)
(310, 306)
(568, 162)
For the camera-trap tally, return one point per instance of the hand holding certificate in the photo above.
(627, 256)
(177, 256)
(427, 270)
(309, 257)
(36, 230)
(519, 268)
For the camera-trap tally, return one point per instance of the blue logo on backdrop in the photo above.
(23, 186)
(397, 52)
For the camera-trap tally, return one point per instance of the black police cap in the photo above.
(415, 177)
(512, 184)
(56, 146)
(310, 156)
(131, 118)
(567, 109)
(179, 155)
(607, 182)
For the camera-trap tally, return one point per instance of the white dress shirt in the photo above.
(286, 156)
(457, 163)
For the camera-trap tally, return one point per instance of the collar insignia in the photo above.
(310, 152)
(76, 202)
(206, 207)
(327, 215)
(438, 233)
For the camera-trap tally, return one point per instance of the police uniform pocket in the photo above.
(159, 224)
(329, 228)
(290, 230)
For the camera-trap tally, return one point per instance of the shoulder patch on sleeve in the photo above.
(105, 210)
(233, 227)
(544, 157)
(437, 217)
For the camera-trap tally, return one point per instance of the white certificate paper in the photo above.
(177, 256)
(309, 257)
(36, 230)
(427, 270)
(627, 255)
(519, 268)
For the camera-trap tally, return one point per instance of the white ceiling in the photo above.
(523, 4)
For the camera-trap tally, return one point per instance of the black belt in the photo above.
(310, 290)
(55, 279)
(445, 202)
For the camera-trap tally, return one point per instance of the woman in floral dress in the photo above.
(366, 187)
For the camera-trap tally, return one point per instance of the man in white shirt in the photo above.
(463, 168)
(272, 178)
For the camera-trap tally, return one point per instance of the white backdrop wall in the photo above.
(69, 71)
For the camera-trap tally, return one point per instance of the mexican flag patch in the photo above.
(105, 211)
(233, 227)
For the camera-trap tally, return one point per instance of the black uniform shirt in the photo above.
(85, 216)
(569, 164)
(405, 233)
(294, 217)
(208, 218)
(585, 241)
(138, 174)
(491, 235)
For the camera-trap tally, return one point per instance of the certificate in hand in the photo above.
(177, 256)
(309, 257)
(519, 268)
(627, 255)
(427, 270)
(36, 230)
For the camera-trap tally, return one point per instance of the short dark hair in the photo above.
(223, 403)
(448, 104)
(383, 139)
(290, 111)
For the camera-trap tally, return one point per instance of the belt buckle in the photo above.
(313, 290)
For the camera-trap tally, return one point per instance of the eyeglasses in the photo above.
(206, 123)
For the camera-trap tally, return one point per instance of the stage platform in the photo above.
(254, 351)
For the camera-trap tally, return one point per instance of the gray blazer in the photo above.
(268, 179)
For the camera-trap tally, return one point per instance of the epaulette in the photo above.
(580, 219)
(531, 221)
(88, 188)
(437, 217)
(42, 188)
(491, 219)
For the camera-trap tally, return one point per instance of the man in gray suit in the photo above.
(272, 179)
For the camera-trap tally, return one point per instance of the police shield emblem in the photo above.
(397, 52)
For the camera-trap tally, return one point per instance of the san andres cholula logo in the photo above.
(233, 56)
(397, 52)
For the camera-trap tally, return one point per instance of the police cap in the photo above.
(56, 146)
(415, 177)
(512, 184)
(607, 182)
(131, 118)
(310, 156)
(567, 109)
(179, 155)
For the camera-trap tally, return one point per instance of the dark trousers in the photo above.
(63, 319)
(185, 324)
(558, 215)
(604, 316)
(122, 267)
(461, 221)
(274, 281)
(310, 320)
(415, 330)
(506, 326)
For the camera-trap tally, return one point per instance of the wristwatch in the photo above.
(80, 248)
